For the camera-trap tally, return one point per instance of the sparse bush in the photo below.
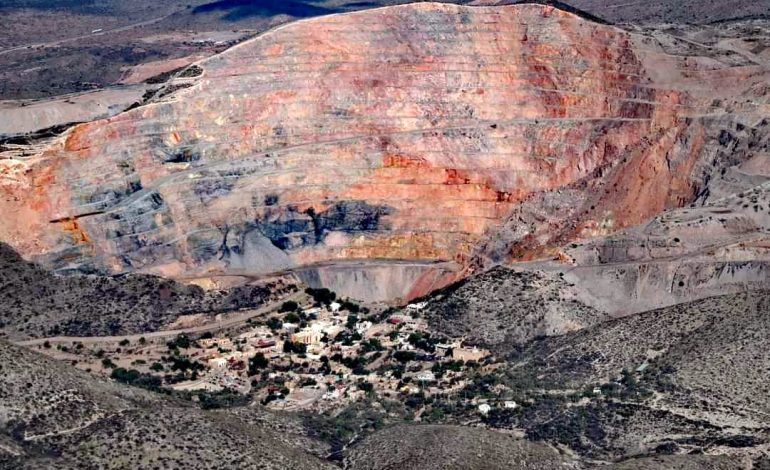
(321, 296)
(292, 347)
(288, 306)
(257, 363)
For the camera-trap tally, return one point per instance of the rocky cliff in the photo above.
(425, 132)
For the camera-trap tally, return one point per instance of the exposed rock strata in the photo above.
(425, 132)
(679, 256)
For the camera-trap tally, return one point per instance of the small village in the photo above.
(327, 353)
(314, 353)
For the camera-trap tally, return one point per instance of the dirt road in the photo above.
(227, 322)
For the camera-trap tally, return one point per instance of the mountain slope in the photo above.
(52, 415)
(451, 447)
(503, 308)
(681, 378)
(36, 303)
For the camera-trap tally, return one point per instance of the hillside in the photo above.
(503, 308)
(456, 447)
(451, 447)
(53, 416)
(37, 303)
(686, 377)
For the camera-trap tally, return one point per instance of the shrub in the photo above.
(181, 341)
(292, 347)
(134, 377)
(321, 296)
(308, 382)
(184, 364)
(223, 399)
(256, 363)
(291, 318)
(288, 306)
(373, 344)
(404, 356)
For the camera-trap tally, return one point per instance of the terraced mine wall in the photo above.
(419, 132)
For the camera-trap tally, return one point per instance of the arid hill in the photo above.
(686, 378)
(452, 447)
(53, 416)
(37, 303)
(502, 308)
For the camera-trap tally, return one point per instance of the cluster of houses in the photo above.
(332, 356)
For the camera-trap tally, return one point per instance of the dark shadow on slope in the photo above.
(240, 9)
(562, 6)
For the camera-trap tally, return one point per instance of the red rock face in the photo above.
(410, 132)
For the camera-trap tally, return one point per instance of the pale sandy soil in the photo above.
(18, 117)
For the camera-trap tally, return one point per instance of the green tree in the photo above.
(274, 323)
(257, 363)
(291, 318)
(321, 296)
(288, 306)
(292, 347)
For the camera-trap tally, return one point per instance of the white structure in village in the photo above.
(363, 326)
(417, 306)
(426, 376)
(312, 311)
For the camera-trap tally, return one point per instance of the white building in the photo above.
(426, 376)
(510, 405)
(417, 306)
(308, 336)
(335, 307)
(218, 362)
(363, 326)
(484, 409)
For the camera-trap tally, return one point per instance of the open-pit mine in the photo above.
(388, 152)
